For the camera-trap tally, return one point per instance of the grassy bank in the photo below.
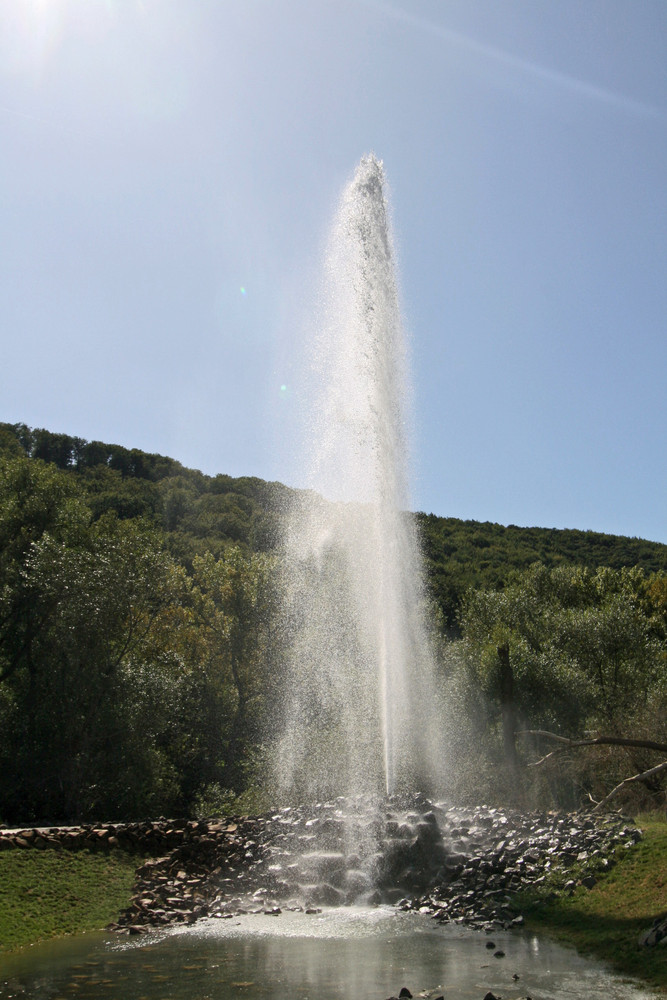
(46, 894)
(607, 920)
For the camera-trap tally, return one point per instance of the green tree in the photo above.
(78, 599)
(232, 606)
(585, 650)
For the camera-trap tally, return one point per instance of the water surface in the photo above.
(356, 953)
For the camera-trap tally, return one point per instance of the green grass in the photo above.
(607, 920)
(45, 894)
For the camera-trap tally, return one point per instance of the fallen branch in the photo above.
(628, 781)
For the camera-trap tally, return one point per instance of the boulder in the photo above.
(655, 935)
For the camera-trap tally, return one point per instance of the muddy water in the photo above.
(356, 953)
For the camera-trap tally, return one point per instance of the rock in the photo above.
(326, 895)
(405, 992)
(356, 882)
(656, 935)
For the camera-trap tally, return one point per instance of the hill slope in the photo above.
(199, 512)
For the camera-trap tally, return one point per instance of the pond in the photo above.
(368, 954)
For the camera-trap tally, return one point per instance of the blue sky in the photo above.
(168, 171)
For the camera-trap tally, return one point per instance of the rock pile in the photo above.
(463, 865)
(493, 854)
(197, 877)
(455, 864)
(297, 859)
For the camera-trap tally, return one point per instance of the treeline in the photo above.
(200, 513)
(138, 663)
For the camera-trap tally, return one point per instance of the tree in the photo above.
(78, 599)
(232, 605)
(572, 650)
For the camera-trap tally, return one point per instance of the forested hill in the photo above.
(461, 554)
(200, 513)
(141, 661)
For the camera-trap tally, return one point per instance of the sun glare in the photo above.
(31, 31)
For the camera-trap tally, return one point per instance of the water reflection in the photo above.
(368, 955)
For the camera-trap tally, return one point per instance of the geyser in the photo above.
(359, 702)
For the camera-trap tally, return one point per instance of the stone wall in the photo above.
(146, 838)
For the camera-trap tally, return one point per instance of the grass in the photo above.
(45, 894)
(607, 920)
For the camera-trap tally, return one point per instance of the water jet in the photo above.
(359, 706)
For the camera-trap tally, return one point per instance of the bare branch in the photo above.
(628, 781)
(543, 732)
(542, 760)
(618, 741)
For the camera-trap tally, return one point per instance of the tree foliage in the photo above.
(470, 554)
(587, 651)
(126, 685)
(138, 667)
(202, 514)
(587, 648)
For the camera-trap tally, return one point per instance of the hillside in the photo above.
(199, 513)
(461, 554)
